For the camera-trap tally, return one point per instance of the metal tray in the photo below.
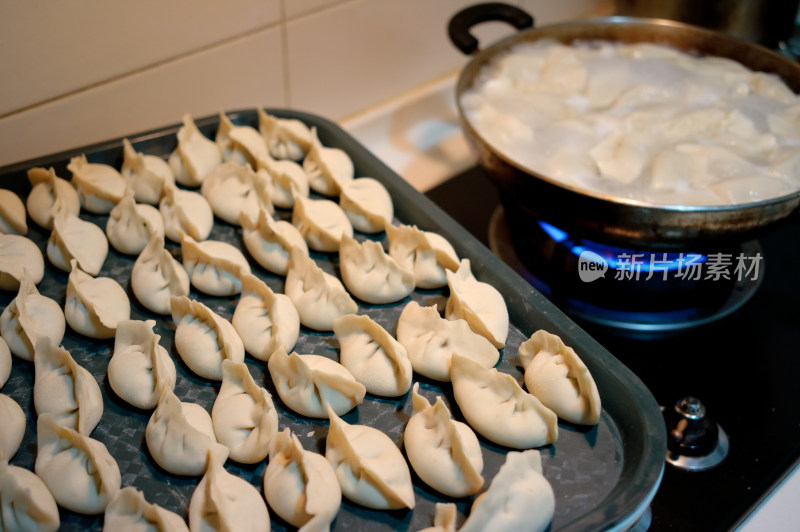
(604, 477)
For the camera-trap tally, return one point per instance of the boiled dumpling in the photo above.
(185, 211)
(240, 144)
(321, 222)
(288, 180)
(213, 266)
(99, 186)
(233, 190)
(367, 204)
(425, 253)
(370, 468)
(195, 157)
(445, 453)
(19, 257)
(129, 511)
(95, 306)
(5, 362)
(180, 435)
(203, 338)
(444, 518)
(243, 416)
(496, 407)
(285, 138)
(78, 471)
(157, 277)
(75, 239)
(309, 384)
(328, 169)
(130, 225)
(375, 359)
(50, 195)
(147, 175)
(25, 502)
(12, 419)
(140, 366)
(270, 241)
(28, 317)
(559, 379)
(370, 274)
(12, 214)
(265, 320)
(480, 304)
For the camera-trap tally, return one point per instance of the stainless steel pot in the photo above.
(528, 195)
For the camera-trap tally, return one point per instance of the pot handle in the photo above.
(460, 24)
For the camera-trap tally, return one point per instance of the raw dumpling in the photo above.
(95, 306)
(147, 175)
(76, 239)
(12, 419)
(321, 222)
(370, 274)
(195, 157)
(270, 241)
(157, 277)
(99, 186)
(5, 362)
(78, 471)
(12, 214)
(309, 384)
(65, 390)
(26, 505)
(445, 453)
(243, 416)
(203, 338)
(213, 266)
(375, 359)
(559, 379)
(140, 366)
(265, 320)
(285, 138)
(427, 254)
(130, 225)
(224, 502)
(328, 169)
(367, 204)
(129, 511)
(240, 144)
(49, 196)
(233, 190)
(519, 498)
(28, 317)
(431, 341)
(185, 211)
(180, 436)
(480, 304)
(19, 257)
(300, 486)
(444, 518)
(288, 181)
(495, 406)
(370, 468)
(318, 296)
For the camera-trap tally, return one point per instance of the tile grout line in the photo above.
(287, 84)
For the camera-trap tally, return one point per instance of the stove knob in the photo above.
(694, 440)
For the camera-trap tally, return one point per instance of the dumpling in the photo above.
(130, 225)
(285, 138)
(370, 468)
(65, 390)
(431, 341)
(480, 304)
(367, 204)
(288, 180)
(95, 306)
(243, 416)
(318, 296)
(203, 338)
(28, 317)
(425, 253)
(265, 320)
(12, 419)
(559, 379)
(370, 274)
(519, 498)
(499, 409)
(233, 190)
(157, 277)
(5, 362)
(375, 359)
(146, 175)
(75, 239)
(445, 453)
(270, 241)
(185, 211)
(140, 366)
(99, 186)
(180, 436)
(12, 214)
(79, 471)
(25, 502)
(300, 486)
(224, 502)
(50, 195)
(321, 222)
(213, 266)
(309, 384)
(129, 511)
(195, 157)
(444, 518)
(240, 144)
(19, 257)
(328, 169)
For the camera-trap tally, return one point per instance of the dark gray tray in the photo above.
(603, 477)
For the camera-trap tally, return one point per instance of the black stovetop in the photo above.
(745, 368)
